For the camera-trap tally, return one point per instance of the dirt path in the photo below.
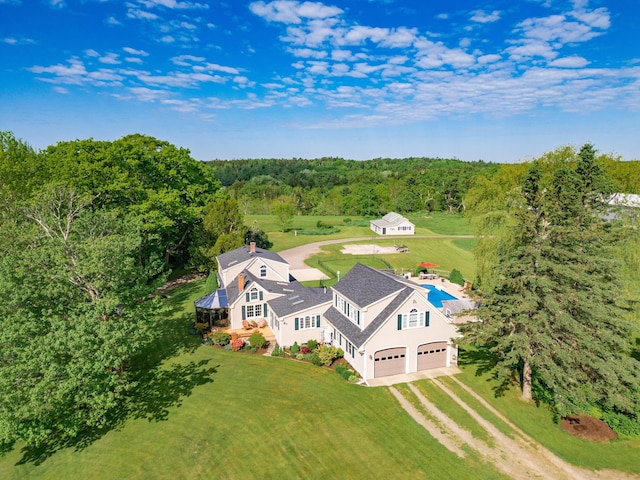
(520, 457)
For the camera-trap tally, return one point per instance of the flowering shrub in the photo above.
(237, 344)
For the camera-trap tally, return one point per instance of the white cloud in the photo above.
(133, 51)
(18, 41)
(113, 21)
(187, 60)
(480, 16)
(133, 60)
(137, 14)
(570, 62)
(292, 12)
(110, 58)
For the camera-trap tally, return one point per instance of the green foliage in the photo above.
(323, 231)
(257, 340)
(456, 277)
(202, 328)
(312, 344)
(220, 338)
(327, 354)
(340, 368)
(284, 210)
(316, 360)
(74, 311)
(624, 425)
(276, 351)
(554, 318)
(295, 348)
(347, 374)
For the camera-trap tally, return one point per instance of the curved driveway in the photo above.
(295, 257)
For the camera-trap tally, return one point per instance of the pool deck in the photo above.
(451, 288)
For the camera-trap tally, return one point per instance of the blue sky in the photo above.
(497, 80)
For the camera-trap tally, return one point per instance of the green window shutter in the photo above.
(260, 295)
(358, 316)
(318, 321)
(399, 321)
(426, 319)
(248, 298)
(244, 312)
(296, 323)
(264, 309)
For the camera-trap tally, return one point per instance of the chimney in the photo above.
(252, 247)
(240, 282)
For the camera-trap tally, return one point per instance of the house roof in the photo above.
(301, 298)
(352, 332)
(364, 285)
(217, 299)
(242, 254)
(250, 281)
(625, 200)
(391, 219)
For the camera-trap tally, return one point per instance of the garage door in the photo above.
(390, 362)
(432, 355)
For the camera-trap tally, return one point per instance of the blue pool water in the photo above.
(436, 295)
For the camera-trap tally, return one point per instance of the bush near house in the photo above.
(220, 338)
(257, 340)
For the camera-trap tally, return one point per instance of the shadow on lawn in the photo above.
(156, 386)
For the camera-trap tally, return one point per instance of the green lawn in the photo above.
(431, 223)
(208, 413)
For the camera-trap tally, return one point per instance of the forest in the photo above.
(89, 229)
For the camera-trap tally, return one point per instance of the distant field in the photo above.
(204, 413)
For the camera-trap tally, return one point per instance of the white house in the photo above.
(393, 224)
(383, 322)
(386, 325)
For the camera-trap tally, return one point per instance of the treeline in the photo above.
(335, 186)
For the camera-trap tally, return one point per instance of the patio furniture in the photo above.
(262, 323)
(246, 325)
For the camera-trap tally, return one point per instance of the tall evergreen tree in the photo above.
(552, 317)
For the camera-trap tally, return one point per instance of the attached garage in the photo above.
(432, 355)
(391, 361)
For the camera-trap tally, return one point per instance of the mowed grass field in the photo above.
(448, 253)
(210, 413)
(201, 412)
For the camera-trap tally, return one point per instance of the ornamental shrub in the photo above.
(353, 379)
(312, 344)
(340, 353)
(295, 348)
(220, 338)
(276, 351)
(257, 340)
(327, 354)
(305, 350)
(340, 368)
(456, 277)
(299, 356)
(308, 356)
(236, 344)
(346, 374)
(201, 328)
(315, 359)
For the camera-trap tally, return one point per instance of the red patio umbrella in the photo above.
(427, 265)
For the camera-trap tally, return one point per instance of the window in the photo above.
(253, 294)
(263, 271)
(413, 319)
(307, 322)
(254, 311)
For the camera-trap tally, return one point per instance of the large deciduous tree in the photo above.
(74, 309)
(553, 316)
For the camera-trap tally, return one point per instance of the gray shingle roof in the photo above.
(364, 285)
(352, 332)
(250, 280)
(243, 254)
(302, 298)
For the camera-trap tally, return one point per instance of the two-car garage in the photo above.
(393, 361)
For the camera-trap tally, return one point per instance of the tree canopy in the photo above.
(553, 314)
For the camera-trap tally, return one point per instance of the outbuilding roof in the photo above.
(391, 219)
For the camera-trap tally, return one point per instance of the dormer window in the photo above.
(263, 271)
(253, 295)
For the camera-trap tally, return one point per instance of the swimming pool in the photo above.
(435, 294)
